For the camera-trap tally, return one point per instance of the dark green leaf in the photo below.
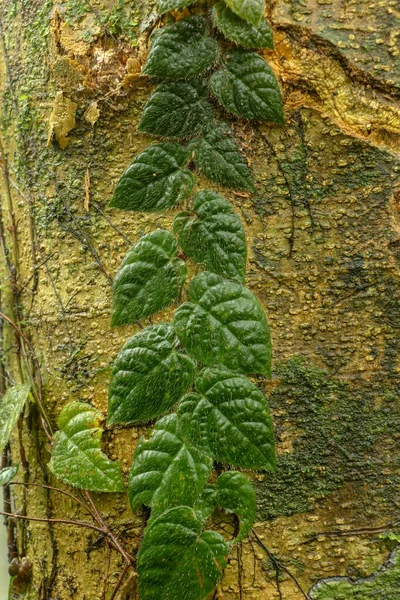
(228, 418)
(7, 474)
(236, 494)
(166, 471)
(205, 505)
(77, 458)
(224, 324)
(151, 278)
(156, 180)
(11, 407)
(177, 561)
(176, 110)
(150, 375)
(213, 235)
(249, 10)
(182, 50)
(247, 87)
(168, 5)
(217, 156)
(239, 31)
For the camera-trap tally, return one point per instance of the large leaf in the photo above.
(228, 418)
(224, 324)
(150, 375)
(213, 235)
(247, 87)
(166, 471)
(249, 10)
(11, 406)
(151, 278)
(7, 474)
(176, 110)
(239, 31)
(217, 156)
(168, 5)
(177, 561)
(156, 180)
(182, 50)
(77, 458)
(236, 494)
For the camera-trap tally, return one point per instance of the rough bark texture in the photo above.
(324, 239)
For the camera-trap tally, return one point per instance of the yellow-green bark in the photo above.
(323, 236)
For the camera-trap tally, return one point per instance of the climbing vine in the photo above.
(192, 373)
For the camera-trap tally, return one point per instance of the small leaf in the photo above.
(176, 110)
(206, 503)
(247, 87)
(182, 50)
(217, 156)
(11, 407)
(239, 31)
(7, 474)
(236, 494)
(168, 5)
(177, 561)
(224, 324)
(77, 458)
(249, 10)
(150, 375)
(213, 235)
(156, 180)
(166, 471)
(228, 418)
(151, 278)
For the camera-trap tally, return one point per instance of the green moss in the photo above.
(382, 585)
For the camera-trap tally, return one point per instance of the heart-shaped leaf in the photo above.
(228, 418)
(77, 458)
(213, 235)
(11, 407)
(224, 324)
(150, 375)
(182, 50)
(151, 278)
(176, 560)
(156, 180)
(249, 10)
(166, 471)
(168, 5)
(217, 156)
(235, 493)
(239, 31)
(247, 87)
(176, 110)
(7, 474)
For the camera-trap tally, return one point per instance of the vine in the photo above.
(191, 372)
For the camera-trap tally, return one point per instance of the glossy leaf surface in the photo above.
(224, 324)
(206, 503)
(77, 458)
(249, 10)
(168, 5)
(166, 471)
(229, 418)
(176, 560)
(8, 474)
(247, 86)
(11, 407)
(213, 235)
(239, 31)
(235, 493)
(176, 110)
(182, 50)
(151, 278)
(156, 180)
(216, 155)
(150, 375)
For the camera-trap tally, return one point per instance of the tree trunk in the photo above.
(324, 248)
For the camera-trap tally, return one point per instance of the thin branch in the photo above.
(55, 521)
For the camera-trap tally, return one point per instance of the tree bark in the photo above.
(324, 248)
